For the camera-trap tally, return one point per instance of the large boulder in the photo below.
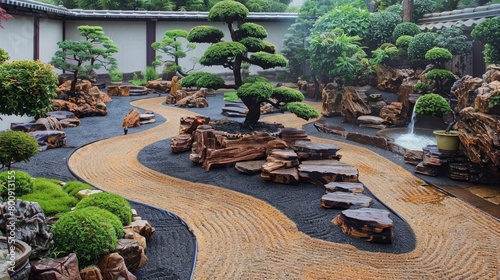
(389, 79)
(485, 98)
(331, 98)
(464, 90)
(353, 106)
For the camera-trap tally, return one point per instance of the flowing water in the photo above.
(412, 140)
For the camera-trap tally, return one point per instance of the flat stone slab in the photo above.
(289, 176)
(367, 119)
(344, 187)
(249, 167)
(372, 224)
(324, 172)
(27, 127)
(61, 115)
(344, 200)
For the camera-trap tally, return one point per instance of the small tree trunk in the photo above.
(407, 10)
(253, 114)
(237, 71)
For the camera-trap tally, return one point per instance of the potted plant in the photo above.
(116, 76)
(435, 105)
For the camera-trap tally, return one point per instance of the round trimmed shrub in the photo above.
(228, 11)
(258, 91)
(111, 202)
(440, 74)
(108, 217)
(33, 90)
(438, 55)
(302, 110)
(432, 104)
(73, 187)
(202, 79)
(286, 94)
(219, 53)
(255, 79)
(405, 28)
(205, 34)
(250, 29)
(266, 60)
(420, 44)
(20, 182)
(403, 41)
(16, 146)
(88, 234)
(421, 87)
(253, 44)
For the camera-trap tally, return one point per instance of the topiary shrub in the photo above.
(438, 55)
(403, 41)
(108, 216)
(266, 60)
(218, 53)
(202, 79)
(16, 146)
(28, 87)
(259, 91)
(420, 44)
(15, 183)
(205, 34)
(255, 78)
(454, 41)
(405, 28)
(431, 104)
(73, 187)
(301, 110)
(111, 202)
(422, 7)
(4, 56)
(51, 197)
(488, 32)
(253, 44)
(250, 29)
(421, 88)
(440, 74)
(86, 233)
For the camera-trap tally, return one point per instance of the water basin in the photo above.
(420, 138)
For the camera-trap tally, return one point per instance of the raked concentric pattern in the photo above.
(241, 237)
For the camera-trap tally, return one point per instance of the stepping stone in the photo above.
(249, 167)
(314, 151)
(60, 115)
(293, 135)
(288, 176)
(344, 200)
(344, 187)
(372, 224)
(326, 171)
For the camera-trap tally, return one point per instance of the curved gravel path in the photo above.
(241, 237)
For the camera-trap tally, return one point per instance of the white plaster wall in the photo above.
(17, 37)
(51, 32)
(129, 36)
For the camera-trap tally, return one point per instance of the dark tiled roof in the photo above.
(122, 14)
(466, 18)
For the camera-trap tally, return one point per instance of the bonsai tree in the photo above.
(83, 57)
(171, 46)
(487, 32)
(257, 90)
(16, 146)
(248, 38)
(27, 88)
(439, 56)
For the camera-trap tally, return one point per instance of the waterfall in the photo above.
(413, 120)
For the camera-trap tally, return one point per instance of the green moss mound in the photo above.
(108, 217)
(89, 234)
(111, 202)
(231, 96)
(48, 193)
(73, 187)
(15, 183)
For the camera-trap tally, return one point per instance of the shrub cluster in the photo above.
(22, 181)
(382, 26)
(420, 44)
(16, 146)
(49, 194)
(73, 187)
(421, 87)
(405, 28)
(111, 202)
(488, 32)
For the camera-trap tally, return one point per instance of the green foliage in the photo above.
(266, 6)
(4, 55)
(115, 75)
(17, 182)
(205, 34)
(16, 146)
(250, 29)
(253, 44)
(111, 202)
(255, 79)
(302, 110)
(258, 91)
(202, 80)
(228, 11)
(86, 233)
(420, 44)
(27, 87)
(136, 81)
(438, 55)
(431, 104)
(421, 87)
(73, 187)
(286, 94)
(384, 52)
(222, 53)
(230, 96)
(452, 39)
(353, 21)
(51, 197)
(440, 74)
(422, 7)
(267, 60)
(336, 55)
(382, 26)
(172, 46)
(294, 51)
(151, 74)
(383, 4)
(405, 28)
(108, 217)
(495, 100)
(403, 41)
(488, 32)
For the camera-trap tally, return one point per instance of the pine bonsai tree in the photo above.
(83, 57)
(171, 46)
(247, 38)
